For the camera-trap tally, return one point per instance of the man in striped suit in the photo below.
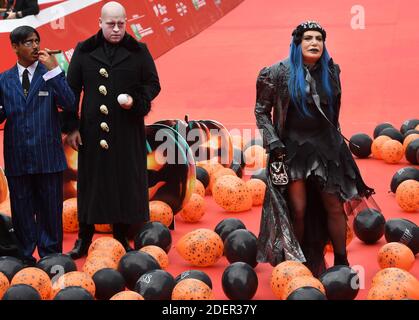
(30, 94)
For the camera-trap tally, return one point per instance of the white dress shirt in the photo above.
(31, 69)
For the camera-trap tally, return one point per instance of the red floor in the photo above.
(212, 76)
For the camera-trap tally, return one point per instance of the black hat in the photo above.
(298, 32)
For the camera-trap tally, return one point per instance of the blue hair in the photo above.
(297, 83)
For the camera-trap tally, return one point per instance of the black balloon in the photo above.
(153, 233)
(363, 141)
(411, 152)
(238, 170)
(369, 225)
(307, 293)
(108, 282)
(10, 266)
(194, 274)
(392, 133)
(381, 127)
(203, 176)
(134, 264)
(408, 132)
(73, 293)
(56, 264)
(404, 231)
(408, 125)
(239, 281)
(21, 292)
(340, 283)
(155, 285)
(403, 174)
(241, 245)
(227, 226)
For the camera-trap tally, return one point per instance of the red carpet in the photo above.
(212, 76)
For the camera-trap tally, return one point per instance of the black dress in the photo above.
(316, 153)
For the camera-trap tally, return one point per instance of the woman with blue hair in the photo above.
(313, 184)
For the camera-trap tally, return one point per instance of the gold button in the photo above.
(102, 90)
(104, 73)
(104, 109)
(104, 126)
(104, 144)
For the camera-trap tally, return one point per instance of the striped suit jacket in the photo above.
(32, 134)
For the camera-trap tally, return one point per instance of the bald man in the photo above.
(109, 135)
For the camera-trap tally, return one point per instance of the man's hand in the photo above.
(47, 60)
(73, 139)
(125, 101)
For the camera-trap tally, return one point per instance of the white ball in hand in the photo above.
(123, 99)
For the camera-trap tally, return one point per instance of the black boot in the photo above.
(125, 244)
(341, 259)
(120, 232)
(81, 247)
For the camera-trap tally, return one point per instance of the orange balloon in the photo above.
(159, 254)
(127, 295)
(392, 151)
(94, 264)
(397, 276)
(211, 167)
(257, 187)
(194, 210)
(283, 273)
(199, 188)
(101, 253)
(74, 278)
(232, 194)
(219, 173)
(36, 278)
(70, 219)
(5, 208)
(4, 190)
(4, 284)
(201, 247)
(161, 212)
(111, 245)
(396, 254)
(192, 289)
(392, 291)
(377, 144)
(407, 195)
(303, 281)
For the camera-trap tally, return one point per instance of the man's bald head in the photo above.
(112, 21)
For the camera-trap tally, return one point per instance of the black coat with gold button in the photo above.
(112, 162)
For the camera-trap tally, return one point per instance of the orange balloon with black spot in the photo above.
(201, 247)
(232, 194)
(161, 212)
(159, 254)
(392, 151)
(127, 295)
(192, 289)
(303, 281)
(407, 195)
(4, 284)
(115, 249)
(101, 253)
(376, 145)
(36, 278)
(94, 264)
(257, 187)
(400, 277)
(74, 278)
(199, 188)
(219, 173)
(194, 210)
(70, 219)
(390, 290)
(396, 254)
(283, 273)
